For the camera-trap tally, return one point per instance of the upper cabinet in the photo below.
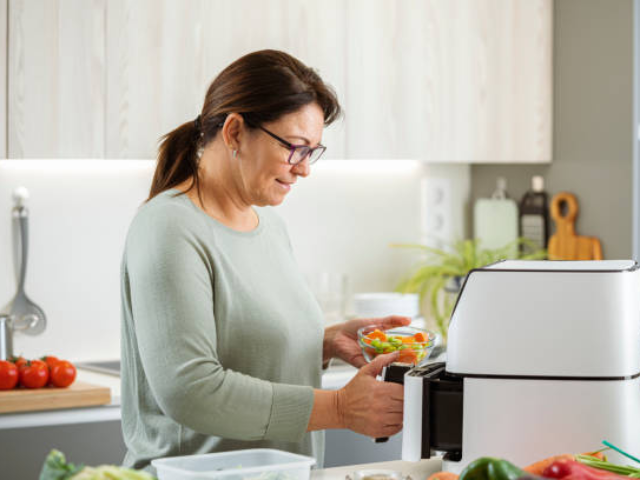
(449, 80)
(437, 80)
(162, 56)
(56, 71)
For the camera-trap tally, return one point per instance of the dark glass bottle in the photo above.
(534, 215)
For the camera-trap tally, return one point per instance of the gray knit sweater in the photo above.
(221, 338)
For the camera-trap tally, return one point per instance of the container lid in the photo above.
(238, 462)
(386, 303)
(537, 183)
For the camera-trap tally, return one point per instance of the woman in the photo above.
(222, 341)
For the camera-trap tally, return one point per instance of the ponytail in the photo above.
(177, 159)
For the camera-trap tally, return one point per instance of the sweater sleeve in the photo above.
(170, 280)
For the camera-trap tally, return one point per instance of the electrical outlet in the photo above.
(436, 212)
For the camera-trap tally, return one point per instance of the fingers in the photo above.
(395, 321)
(383, 322)
(358, 361)
(369, 406)
(395, 392)
(389, 430)
(378, 363)
(393, 419)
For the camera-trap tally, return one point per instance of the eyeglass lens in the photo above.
(300, 153)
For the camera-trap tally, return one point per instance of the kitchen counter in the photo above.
(68, 416)
(336, 377)
(417, 470)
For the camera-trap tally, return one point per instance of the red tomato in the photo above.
(34, 374)
(63, 374)
(8, 375)
(19, 361)
(50, 360)
(39, 362)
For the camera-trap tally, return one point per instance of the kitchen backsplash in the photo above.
(341, 219)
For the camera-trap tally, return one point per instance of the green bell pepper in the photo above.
(488, 468)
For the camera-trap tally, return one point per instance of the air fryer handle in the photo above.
(433, 409)
(393, 373)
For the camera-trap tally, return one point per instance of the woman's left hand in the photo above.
(341, 340)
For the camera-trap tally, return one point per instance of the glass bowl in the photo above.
(415, 344)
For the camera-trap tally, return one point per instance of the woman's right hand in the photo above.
(371, 407)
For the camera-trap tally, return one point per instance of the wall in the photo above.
(341, 218)
(593, 118)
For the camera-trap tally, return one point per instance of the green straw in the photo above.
(610, 445)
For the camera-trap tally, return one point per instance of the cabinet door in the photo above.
(162, 57)
(56, 78)
(502, 77)
(449, 80)
(4, 22)
(316, 35)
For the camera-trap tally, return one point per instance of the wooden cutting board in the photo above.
(79, 394)
(565, 244)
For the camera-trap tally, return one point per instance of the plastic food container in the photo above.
(377, 475)
(253, 464)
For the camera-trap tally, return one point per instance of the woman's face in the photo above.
(266, 175)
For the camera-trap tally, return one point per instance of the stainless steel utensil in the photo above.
(8, 325)
(28, 317)
(6, 337)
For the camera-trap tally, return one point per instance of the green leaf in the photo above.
(56, 467)
(435, 267)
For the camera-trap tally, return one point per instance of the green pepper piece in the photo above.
(488, 468)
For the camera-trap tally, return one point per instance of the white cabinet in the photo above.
(4, 22)
(56, 68)
(449, 80)
(436, 80)
(162, 57)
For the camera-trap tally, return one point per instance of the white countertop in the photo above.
(417, 470)
(336, 377)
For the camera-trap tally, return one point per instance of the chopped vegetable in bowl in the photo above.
(414, 344)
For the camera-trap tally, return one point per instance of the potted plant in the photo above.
(439, 275)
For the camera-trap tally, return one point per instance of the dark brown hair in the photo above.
(261, 86)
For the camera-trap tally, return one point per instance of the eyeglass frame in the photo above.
(291, 146)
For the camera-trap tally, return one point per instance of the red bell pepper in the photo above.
(572, 470)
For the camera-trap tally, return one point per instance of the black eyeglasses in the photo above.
(297, 153)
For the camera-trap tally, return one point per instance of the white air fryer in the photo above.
(543, 358)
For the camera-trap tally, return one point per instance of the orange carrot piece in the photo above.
(538, 467)
(408, 340)
(420, 337)
(598, 455)
(377, 334)
(443, 476)
(371, 352)
(407, 356)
